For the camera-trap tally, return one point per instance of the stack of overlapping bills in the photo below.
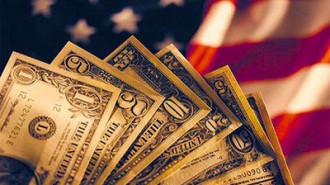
(132, 118)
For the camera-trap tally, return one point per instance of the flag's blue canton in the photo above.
(40, 28)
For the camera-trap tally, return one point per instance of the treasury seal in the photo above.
(42, 127)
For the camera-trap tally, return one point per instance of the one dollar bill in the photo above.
(218, 124)
(47, 119)
(135, 106)
(180, 111)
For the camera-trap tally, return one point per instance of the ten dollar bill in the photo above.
(180, 111)
(219, 123)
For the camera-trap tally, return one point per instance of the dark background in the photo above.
(42, 37)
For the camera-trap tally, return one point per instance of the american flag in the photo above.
(278, 47)
(281, 48)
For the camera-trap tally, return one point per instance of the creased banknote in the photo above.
(275, 172)
(219, 123)
(135, 106)
(180, 111)
(240, 148)
(258, 105)
(261, 172)
(47, 117)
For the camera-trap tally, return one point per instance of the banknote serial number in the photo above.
(254, 171)
(26, 109)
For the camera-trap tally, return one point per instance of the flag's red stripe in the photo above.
(265, 60)
(304, 132)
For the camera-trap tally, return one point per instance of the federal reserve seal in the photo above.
(42, 127)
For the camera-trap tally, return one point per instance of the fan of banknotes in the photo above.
(132, 118)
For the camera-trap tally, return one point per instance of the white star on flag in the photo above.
(42, 7)
(125, 20)
(167, 41)
(165, 3)
(81, 31)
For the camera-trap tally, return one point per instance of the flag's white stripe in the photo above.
(303, 91)
(215, 24)
(270, 19)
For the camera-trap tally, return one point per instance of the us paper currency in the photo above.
(260, 172)
(219, 123)
(240, 148)
(180, 111)
(275, 172)
(135, 106)
(258, 105)
(47, 118)
(225, 85)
